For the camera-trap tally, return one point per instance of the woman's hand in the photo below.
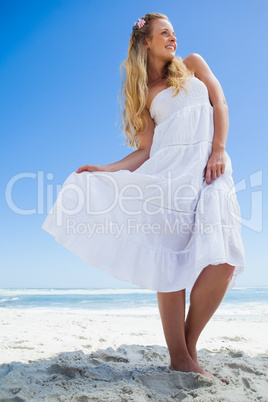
(216, 165)
(90, 168)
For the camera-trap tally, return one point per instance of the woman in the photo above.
(179, 177)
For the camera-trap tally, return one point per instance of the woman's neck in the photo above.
(154, 81)
(156, 74)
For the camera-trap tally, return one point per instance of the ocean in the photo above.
(238, 302)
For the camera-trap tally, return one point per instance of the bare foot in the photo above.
(188, 366)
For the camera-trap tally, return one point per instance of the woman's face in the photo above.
(163, 44)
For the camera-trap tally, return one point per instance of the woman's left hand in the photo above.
(215, 166)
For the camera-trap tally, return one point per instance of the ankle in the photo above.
(180, 360)
(191, 347)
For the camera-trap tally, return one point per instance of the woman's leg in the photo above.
(206, 296)
(172, 312)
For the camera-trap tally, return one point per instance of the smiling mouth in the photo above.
(170, 47)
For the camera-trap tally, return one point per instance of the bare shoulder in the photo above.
(199, 67)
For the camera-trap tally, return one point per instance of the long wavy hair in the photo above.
(134, 79)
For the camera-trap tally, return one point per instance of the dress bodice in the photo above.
(165, 103)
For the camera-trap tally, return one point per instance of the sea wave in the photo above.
(11, 299)
(63, 292)
(109, 291)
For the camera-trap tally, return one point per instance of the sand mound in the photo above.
(134, 373)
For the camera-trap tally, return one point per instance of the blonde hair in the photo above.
(134, 79)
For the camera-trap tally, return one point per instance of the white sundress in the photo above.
(160, 225)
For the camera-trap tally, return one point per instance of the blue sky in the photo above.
(59, 84)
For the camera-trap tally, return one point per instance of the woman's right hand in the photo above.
(90, 168)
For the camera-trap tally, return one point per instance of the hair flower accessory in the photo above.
(141, 22)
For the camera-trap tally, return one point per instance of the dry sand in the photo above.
(69, 355)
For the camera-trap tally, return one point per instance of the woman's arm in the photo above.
(134, 160)
(216, 163)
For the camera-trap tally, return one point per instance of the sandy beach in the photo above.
(76, 355)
